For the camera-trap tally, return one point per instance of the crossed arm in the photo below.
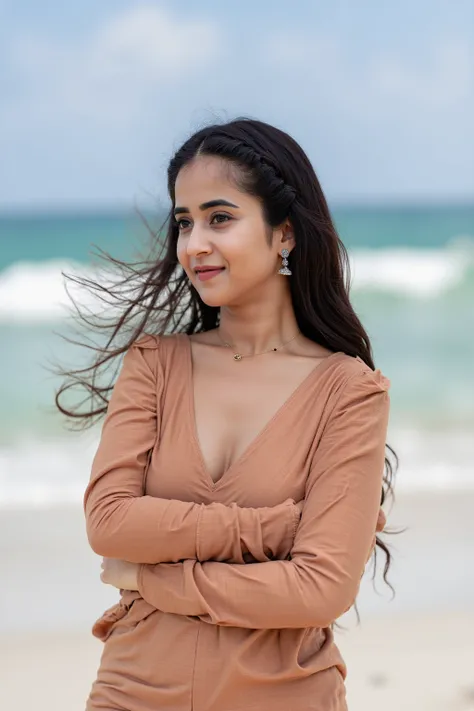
(122, 522)
(333, 540)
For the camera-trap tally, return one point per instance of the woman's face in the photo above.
(231, 236)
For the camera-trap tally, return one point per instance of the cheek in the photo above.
(181, 254)
(237, 252)
(250, 265)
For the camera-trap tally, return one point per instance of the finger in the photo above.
(381, 521)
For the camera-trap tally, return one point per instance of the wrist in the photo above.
(140, 574)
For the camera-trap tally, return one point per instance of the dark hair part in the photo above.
(155, 295)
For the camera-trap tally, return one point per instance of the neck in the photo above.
(258, 326)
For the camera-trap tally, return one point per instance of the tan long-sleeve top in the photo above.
(237, 594)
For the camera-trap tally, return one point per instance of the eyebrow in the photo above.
(206, 205)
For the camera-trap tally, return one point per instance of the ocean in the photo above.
(412, 287)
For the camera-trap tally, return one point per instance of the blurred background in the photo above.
(94, 100)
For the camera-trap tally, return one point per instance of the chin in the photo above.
(215, 300)
(221, 297)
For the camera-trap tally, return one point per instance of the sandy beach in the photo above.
(414, 663)
(413, 652)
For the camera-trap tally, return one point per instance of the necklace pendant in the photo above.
(237, 356)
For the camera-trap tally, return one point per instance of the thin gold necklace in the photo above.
(239, 356)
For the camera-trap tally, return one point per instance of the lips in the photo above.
(205, 274)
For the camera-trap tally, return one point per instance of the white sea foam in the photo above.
(37, 473)
(415, 273)
(32, 292)
(36, 291)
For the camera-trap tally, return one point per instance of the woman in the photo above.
(236, 491)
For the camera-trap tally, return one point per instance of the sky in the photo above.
(95, 97)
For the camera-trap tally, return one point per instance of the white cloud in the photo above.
(147, 39)
(386, 82)
(381, 121)
(114, 70)
(447, 80)
(96, 113)
(317, 52)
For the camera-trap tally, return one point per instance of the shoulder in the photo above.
(147, 341)
(142, 355)
(158, 351)
(357, 392)
(353, 381)
(359, 371)
(153, 341)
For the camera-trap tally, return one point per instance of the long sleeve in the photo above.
(332, 544)
(122, 522)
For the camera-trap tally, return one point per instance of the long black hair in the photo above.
(155, 295)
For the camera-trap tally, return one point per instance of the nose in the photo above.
(198, 242)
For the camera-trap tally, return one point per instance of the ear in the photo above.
(287, 237)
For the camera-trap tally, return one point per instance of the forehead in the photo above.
(206, 178)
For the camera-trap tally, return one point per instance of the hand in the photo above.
(299, 505)
(119, 573)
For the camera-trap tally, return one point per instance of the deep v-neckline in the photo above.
(255, 441)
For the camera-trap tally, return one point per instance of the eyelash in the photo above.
(177, 223)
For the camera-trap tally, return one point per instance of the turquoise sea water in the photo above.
(40, 237)
(412, 286)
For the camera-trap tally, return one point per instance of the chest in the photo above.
(231, 413)
(238, 435)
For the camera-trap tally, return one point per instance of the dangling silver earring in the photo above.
(284, 265)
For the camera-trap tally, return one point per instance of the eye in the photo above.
(179, 223)
(221, 214)
(181, 226)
